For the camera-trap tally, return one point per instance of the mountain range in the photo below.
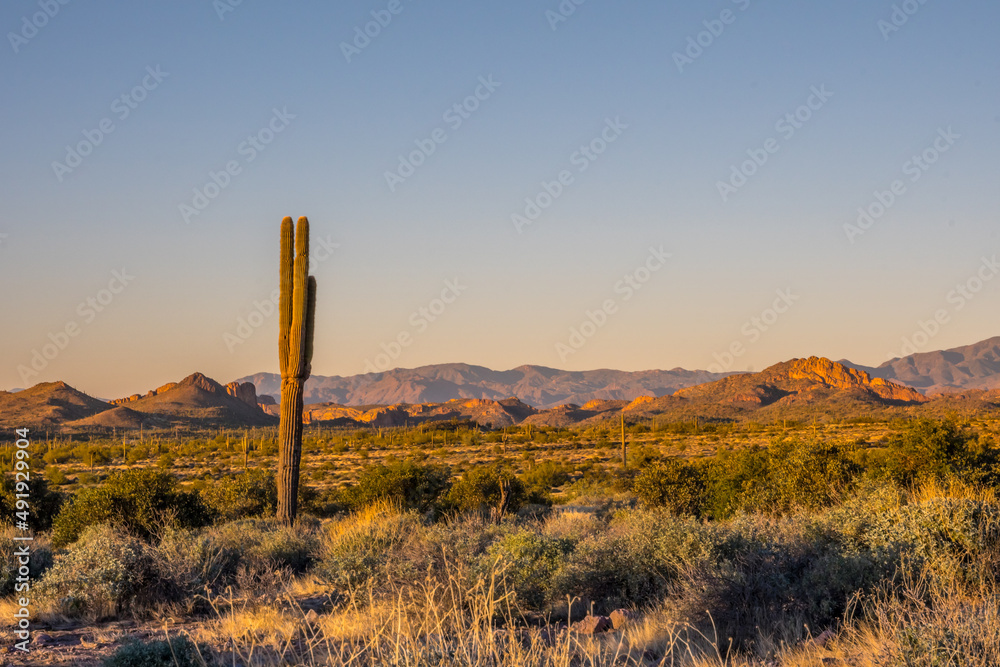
(538, 386)
(974, 366)
(964, 379)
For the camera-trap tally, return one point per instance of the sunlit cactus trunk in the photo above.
(297, 311)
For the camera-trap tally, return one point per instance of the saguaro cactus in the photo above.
(624, 444)
(297, 311)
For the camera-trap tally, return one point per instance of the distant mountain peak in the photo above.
(202, 382)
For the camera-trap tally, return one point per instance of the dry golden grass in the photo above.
(921, 621)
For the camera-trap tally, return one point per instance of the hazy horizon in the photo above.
(224, 380)
(612, 121)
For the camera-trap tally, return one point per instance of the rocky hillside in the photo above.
(800, 388)
(197, 400)
(47, 404)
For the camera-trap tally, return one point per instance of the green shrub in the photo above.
(673, 484)
(636, 560)
(141, 501)
(58, 455)
(730, 481)
(56, 476)
(452, 549)
(930, 449)
(103, 574)
(191, 562)
(642, 456)
(939, 536)
(136, 454)
(175, 652)
(248, 494)
(786, 476)
(539, 480)
(87, 478)
(774, 572)
(526, 562)
(481, 489)
(262, 542)
(44, 503)
(405, 484)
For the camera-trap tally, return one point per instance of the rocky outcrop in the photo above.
(245, 391)
(839, 376)
(237, 389)
(392, 415)
(201, 382)
(639, 401)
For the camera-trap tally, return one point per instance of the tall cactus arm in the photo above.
(285, 302)
(310, 325)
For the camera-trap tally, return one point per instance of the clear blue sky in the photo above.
(680, 130)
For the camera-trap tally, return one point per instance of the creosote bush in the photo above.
(173, 652)
(928, 449)
(480, 489)
(252, 493)
(104, 573)
(45, 503)
(673, 484)
(526, 561)
(404, 484)
(140, 501)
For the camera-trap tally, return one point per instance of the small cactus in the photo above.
(297, 310)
